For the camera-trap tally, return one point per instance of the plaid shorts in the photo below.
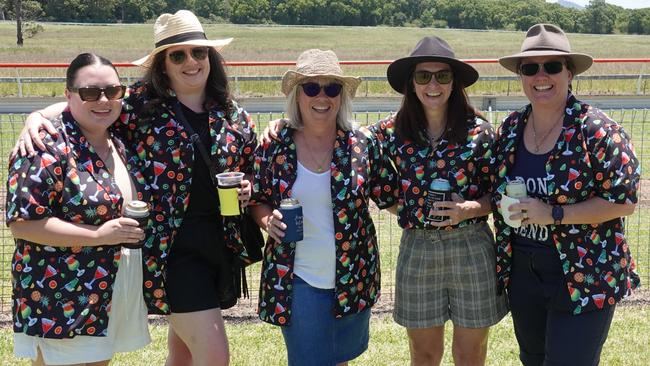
(448, 274)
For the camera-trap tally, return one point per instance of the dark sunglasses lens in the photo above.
(311, 89)
(177, 57)
(333, 90)
(114, 92)
(444, 76)
(199, 53)
(422, 77)
(553, 67)
(529, 69)
(89, 94)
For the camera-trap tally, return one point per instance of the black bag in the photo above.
(251, 234)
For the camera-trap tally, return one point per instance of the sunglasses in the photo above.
(551, 68)
(423, 77)
(198, 53)
(93, 93)
(332, 90)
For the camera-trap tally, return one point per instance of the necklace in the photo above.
(541, 141)
(321, 163)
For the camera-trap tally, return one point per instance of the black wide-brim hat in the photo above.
(429, 49)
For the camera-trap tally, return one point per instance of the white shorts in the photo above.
(127, 326)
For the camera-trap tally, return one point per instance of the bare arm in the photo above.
(36, 121)
(592, 211)
(59, 233)
(269, 220)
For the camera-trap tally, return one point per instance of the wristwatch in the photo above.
(558, 214)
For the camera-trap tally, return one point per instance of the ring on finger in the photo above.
(525, 213)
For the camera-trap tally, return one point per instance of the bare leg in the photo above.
(39, 362)
(204, 335)
(426, 345)
(179, 354)
(469, 346)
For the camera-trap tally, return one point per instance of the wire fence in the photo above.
(634, 121)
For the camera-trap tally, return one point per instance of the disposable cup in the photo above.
(227, 184)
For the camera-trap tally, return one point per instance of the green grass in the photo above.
(256, 343)
(273, 43)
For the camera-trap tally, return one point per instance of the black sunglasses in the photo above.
(332, 90)
(198, 53)
(423, 77)
(93, 93)
(551, 68)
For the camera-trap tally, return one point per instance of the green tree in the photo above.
(599, 17)
(138, 11)
(250, 11)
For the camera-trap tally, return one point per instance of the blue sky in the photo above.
(630, 4)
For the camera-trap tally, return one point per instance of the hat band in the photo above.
(183, 37)
(546, 49)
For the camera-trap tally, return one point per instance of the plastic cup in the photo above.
(227, 184)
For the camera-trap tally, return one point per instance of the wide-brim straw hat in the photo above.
(179, 29)
(314, 63)
(429, 49)
(547, 40)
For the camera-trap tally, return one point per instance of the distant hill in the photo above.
(569, 4)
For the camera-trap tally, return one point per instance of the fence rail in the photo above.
(635, 121)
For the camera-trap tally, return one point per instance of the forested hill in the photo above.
(598, 17)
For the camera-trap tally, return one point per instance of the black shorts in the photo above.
(199, 269)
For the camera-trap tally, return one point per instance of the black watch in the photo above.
(558, 214)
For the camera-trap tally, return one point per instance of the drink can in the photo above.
(292, 217)
(516, 188)
(139, 211)
(439, 190)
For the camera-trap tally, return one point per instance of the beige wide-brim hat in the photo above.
(314, 63)
(547, 40)
(179, 29)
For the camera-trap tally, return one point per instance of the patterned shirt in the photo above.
(359, 172)
(593, 157)
(62, 292)
(465, 165)
(163, 143)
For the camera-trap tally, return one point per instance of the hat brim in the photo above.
(400, 70)
(217, 44)
(581, 62)
(292, 78)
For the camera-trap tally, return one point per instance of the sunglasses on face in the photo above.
(551, 68)
(423, 77)
(313, 89)
(93, 93)
(198, 53)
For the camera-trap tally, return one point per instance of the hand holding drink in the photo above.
(515, 190)
(227, 185)
(139, 211)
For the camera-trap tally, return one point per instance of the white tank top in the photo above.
(315, 260)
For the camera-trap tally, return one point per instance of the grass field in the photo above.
(281, 43)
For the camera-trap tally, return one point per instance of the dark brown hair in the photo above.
(82, 60)
(411, 121)
(217, 92)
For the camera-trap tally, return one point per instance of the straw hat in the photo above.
(429, 49)
(314, 62)
(180, 28)
(547, 40)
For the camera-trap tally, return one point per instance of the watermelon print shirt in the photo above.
(62, 292)
(465, 165)
(593, 157)
(164, 145)
(359, 172)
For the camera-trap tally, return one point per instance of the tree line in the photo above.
(598, 17)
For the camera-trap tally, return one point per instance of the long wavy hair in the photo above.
(411, 121)
(217, 91)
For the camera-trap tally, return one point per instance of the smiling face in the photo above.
(433, 95)
(94, 117)
(189, 76)
(321, 108)
(544, 89)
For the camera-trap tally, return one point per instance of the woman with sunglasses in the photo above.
(561, 253)
(78, 295)
(445, 268)
(320, 288)
(193, 253)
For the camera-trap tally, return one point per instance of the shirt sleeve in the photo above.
(384, 183)
(34, 186)
(615, 165)
(485, 160)
(247, 129)
(262, 181)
